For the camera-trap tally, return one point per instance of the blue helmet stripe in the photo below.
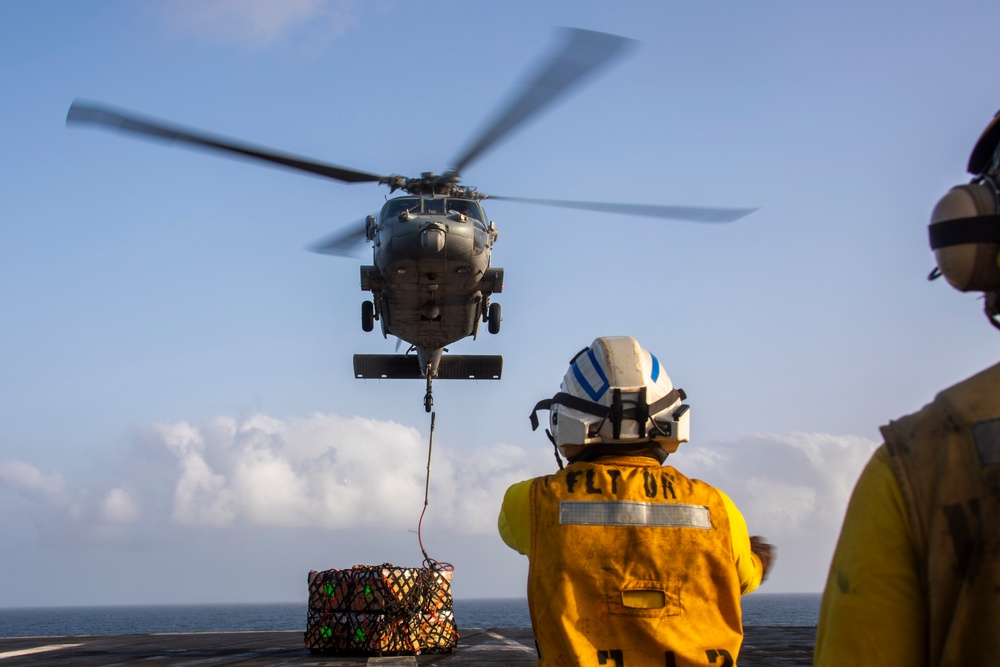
(656, 367)
(595, 393)
(600, 373)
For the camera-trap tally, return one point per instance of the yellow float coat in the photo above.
(915, 579)
(631, 564)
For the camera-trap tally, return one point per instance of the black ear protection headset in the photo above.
(965, 226)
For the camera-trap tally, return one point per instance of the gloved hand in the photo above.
(765, 551)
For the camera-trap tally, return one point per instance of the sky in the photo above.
(179, 422)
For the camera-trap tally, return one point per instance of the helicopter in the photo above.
(431, 279)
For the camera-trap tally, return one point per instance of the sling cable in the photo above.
(430, 563)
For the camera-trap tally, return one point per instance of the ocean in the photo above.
(759, 609)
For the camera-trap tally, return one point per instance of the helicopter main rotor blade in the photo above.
(341, 243)
(82, 112)
(690, 213)
(583, 53)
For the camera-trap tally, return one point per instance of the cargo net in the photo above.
(380, 610)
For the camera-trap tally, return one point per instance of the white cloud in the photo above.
(792, 488)
(785, 484)
(333, 472)
(119, 507)
(327, 474)
(201, 496)
(259, 23)
(779, 506)
(29, 481)
(330, 472)
(467, 488)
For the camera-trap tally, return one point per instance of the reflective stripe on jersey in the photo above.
(624, 513)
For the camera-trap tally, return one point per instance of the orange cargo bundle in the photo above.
(380, 610)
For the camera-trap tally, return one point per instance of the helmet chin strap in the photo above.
(555, 448)
(616, 412)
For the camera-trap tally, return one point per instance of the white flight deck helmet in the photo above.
(615, 398)
(965, 226)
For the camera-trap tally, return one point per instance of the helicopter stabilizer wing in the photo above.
(470, 367)
(406, 367)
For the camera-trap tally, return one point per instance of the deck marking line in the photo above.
(394, 660)
(511, 643)
(37, 649)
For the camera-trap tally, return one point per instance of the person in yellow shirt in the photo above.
(915, 578)
(630, 562)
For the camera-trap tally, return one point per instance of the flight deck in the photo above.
(486, 647)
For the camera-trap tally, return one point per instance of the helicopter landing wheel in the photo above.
(367, 315)
(493, 318)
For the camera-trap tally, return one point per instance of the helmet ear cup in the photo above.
(968, 267)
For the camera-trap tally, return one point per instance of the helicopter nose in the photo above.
(432, 237)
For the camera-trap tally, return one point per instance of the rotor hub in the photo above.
(429, 183)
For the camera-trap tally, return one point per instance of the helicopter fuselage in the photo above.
(431, 279)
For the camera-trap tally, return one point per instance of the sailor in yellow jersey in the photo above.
(630, 563)
(915, 579)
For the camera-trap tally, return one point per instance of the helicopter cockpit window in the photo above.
(394, 207)
(434, 205)
(468, 208)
